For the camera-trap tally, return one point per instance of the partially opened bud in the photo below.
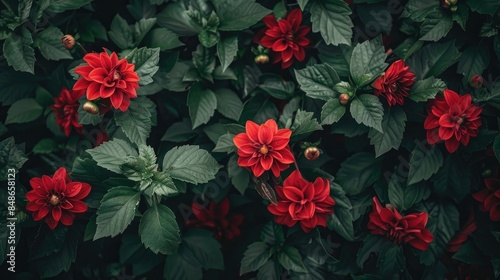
(90, 107)
(68, 41)
(476, 81)
(344, 98)
(312, 153)
(262, 59)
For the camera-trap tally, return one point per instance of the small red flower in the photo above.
(56, 199)
(408, 229)
(490, 198)
(301, 201)
(264, 147)
(395, 83)
(107, 77)
(215, 217)
(66, 110)
(453, 119)
(285, 37)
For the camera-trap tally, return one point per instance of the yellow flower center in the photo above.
(54, 200)
(264, 150)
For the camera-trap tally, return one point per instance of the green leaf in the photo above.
(272, 234)
(259, 109)
(120, 33)
(18, 52)
(496, 147)
(59, 6)
(48, 243)
(159, 231)
(190, 164)
(162, 184)
(417, 10)
(255, 256)
(174, 17)
(332, 111)
(304, 124)
(226, 51)
(85, 117)
(372, 243)
(146, 63)
(318, 81)
(275, 86)
(141, 28)
(473, 62)
(112, 154)
(391, 261)
(404, 196)
(358, 172)
(271, 270)
(368, 61)
(453, 178)
(488, 7)
(339, 57)
(48, 42)
(10, 156)
(204, 61)
(45, 146)
(202, 104)
(23, 111)
(302, 3)
(179, 132)
(201, 249)
(116, 212)
(393, 126)
(225, 144)
(228, 103)
(239, 175)
(290, 258)
(435, 26)
(424, 161)
(342, 218)
(424, 90)
(461, 15)
(433, 59)
(331, 19)
(176, 267)
(239, 14)
(368, 110)
(163, 38)
(135, 122)
(16, 85)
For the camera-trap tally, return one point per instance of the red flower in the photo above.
(408, 229)
(264, 147)
(107, 77)
(490, 198)
(303, 201)
(395, 83)
(66, 110)
(285, 37)
(56, 199)
(460, 237)
(215, 217)
(453, 119)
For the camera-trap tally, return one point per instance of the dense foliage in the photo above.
(250, 139)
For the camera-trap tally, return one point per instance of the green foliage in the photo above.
(190, 164)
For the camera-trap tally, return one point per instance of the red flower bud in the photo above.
(262, 59)
(68, 41)
(344, 98)
(476, 81)
(312, 153)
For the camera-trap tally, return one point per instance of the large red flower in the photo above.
(453, 119)
(264, 147)
(66, 110)
(106, 76)
(490, 198)
(301, 201)
(285, 37)
(56, 199)
(215, 217)
(408, 229)
(395, 83)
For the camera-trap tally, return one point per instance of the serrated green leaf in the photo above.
(202, 104)
(304, 124)
(272, 234)
(290, 258)
(391, 261)
(342, 218)
(358, 172)
(135, 122)
(85, 117)
(141, 28)
(202, 250)
(225, 144)
(338, 57)
(23, 111)
(239, 14)
(473, 62)
(112, 154)
(452, 178)
(393, 126)
(275, 86)
(484, 6)
(433, 59)
(318, 81)
(424, 161)
(120, 33)
(163, 38)
(16, 85)
(259, 109)
(117, 211)
(226, 50)
(255, 256)
(372, 243)
(302, 3)
(435, 26)
(179, 132)
(18, 52)
(461, 15)
(331, 19)
(146, 63)
(404, 196)
(368, 61)
(45, 146)
(159, 231)
(228, 103)
(176, 267)
(417, 10)
(332, 111)
(49, 43)
(366, 109)
(240, 177)
(424, 90)
(190, 164)
(10, 156)
(59, 6)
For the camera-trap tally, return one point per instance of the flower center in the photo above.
(289, 36)
(54, 200)
(264, 150)
(394, 87)
(116, 76)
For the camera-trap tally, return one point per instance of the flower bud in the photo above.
(344, 98)
(476, 81)
(68, 41)
(312, 153)
(90, 107)
(454, 8)
(262, 59)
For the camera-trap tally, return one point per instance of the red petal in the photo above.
(116, 99)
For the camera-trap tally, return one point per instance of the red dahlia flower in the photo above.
(303, 201)
(408, 229)
(453, 119)
(66, 110)
(56, 199)
(264, 147)
(106, 76)
(490, 198)
(285, 37)
(395, 83)
(214, 217)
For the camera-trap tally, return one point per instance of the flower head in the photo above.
(215, 217)
(453, 119)
(285, 37)
(56, 199)
(301, 201)
(264, 147)
(490, 198)
(408, 229)
(107, 77)
(66, 110)
(395, 83)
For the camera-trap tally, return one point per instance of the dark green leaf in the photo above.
(435, 26)
(269, 271)
(240, 177)
(24, 110)
(358, 172)
(372, 243)
(331, 19)
(49, 43)
(341, 220)
(45, 146)
(120, 33)
(255, 256)
(452, 178)
(190, 164)
(146, 63)
(424, 90)
(272, 234)
(163, 38)
(275, 86)
(202, 250)
(59, 6)
(473, 62)
(318, 81)
(404, 196)
(85, 117)
(259, 109)
(433, 59)
(368, 110)
(159, 231)
(332, 111)
(368, 61)
(393, 126)
(174, 17)
(19, 53)
(204, 61)
(239, 14)
(112, 154)
(226, 50)
(424, 161)
(228, 103)
(290, 258)
(339, 57)
(391, 261)
(304, 124)
(202, 104)
(484, 6)
(16, 85)
(48, 242)
(176, 267)
(135, 122)
(179, 132)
